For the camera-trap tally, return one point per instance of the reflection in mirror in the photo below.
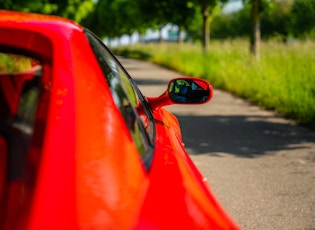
(189, 91)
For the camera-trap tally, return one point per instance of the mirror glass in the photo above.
(189, 91)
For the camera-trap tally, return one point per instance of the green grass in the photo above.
(283, 80)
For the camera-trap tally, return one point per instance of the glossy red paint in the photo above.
(192, 205)
(86, 170)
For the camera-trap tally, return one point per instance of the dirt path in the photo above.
(260, 167)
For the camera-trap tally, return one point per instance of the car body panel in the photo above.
(86, 169)
(174, 169)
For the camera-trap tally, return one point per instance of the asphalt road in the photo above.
(260, 166)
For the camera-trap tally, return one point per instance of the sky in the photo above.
(233, 6)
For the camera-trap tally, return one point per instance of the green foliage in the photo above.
(78, 10)
(113, 18)
(283, 80)
(303, 18)
(280, 20)
(157, 14)
(35, 6)
(232, 25)
(276, 22)
(181, 13)
(72, 9)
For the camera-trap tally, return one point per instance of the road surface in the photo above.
(260, 166)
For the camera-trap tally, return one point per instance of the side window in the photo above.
(20, 81)
(20, 84)
(125, 97)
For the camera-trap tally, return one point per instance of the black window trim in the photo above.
(147, 160)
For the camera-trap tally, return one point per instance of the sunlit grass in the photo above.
(283, 80)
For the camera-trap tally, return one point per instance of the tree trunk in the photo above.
(255, 35)
(206, 35)
(205, 25)
(141, 38)
(179, 35)
(205, 30)
(160, 35)
(129, 39)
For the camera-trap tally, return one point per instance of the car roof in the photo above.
(44, 24)
(44, 35)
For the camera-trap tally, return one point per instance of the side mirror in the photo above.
(189, 91)
(185, 90)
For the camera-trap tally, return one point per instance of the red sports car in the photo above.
(81, 147)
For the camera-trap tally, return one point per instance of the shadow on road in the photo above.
(242, 136)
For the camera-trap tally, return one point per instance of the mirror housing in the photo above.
(184, 90)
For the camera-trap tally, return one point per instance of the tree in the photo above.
(207, 9)
(159, 13)
(275, 22)
(103, 20)
(155, 14)
(128, 16)
(114, 18)
(181, 14)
